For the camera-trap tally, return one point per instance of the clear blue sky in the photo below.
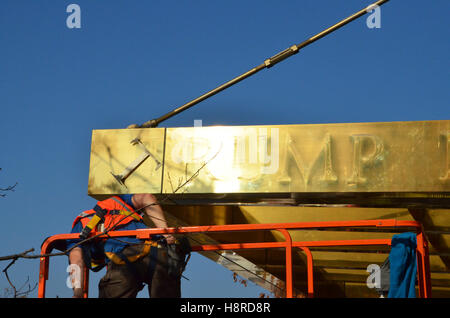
(132, 61)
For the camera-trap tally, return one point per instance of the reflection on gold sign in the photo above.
(362, 157)
(126, 161)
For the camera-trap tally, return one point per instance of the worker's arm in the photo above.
(148, 203)
(76, 258)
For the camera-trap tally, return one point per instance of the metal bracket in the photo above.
(136, 163)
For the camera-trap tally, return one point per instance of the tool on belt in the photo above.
(96, 219)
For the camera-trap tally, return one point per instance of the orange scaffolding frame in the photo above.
(423, 267)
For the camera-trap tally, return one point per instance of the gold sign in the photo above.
(126, 161)
(393, 157)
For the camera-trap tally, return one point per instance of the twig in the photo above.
(7, 277)
(18, 293)
(14, 257)
(9, 188)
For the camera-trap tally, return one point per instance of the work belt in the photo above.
(178, 255)
(149, 249)
(122, 259)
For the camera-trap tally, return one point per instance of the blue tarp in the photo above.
(403, 266)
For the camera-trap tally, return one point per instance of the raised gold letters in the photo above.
(363, 157)
(307, 170)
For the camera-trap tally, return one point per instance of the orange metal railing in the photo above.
(423, 268)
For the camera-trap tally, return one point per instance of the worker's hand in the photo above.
(170, 239)
(77, 293)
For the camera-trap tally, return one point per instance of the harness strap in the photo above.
(123, 205)
(117, 259)
(125, 213)
(120, 258)
(99, 217)
(144, 217)
(96, 219)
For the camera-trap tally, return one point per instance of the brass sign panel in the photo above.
(404, 158)
(358, 157)
(126, 161)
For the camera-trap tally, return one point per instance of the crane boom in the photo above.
(294, 49)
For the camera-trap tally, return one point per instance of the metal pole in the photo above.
(310, 271)
(267, 64)
(289, 272)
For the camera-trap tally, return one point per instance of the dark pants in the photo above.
(125, 281)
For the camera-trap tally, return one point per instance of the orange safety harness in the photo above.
(111, 214)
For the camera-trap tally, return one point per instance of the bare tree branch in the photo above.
(19, 292)
(25, 293)
(14, 257)
(9, 188)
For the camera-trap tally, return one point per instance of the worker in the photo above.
(131, 263)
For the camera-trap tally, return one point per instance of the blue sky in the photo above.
(134, 61)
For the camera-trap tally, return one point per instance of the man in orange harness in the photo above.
(130, 262)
